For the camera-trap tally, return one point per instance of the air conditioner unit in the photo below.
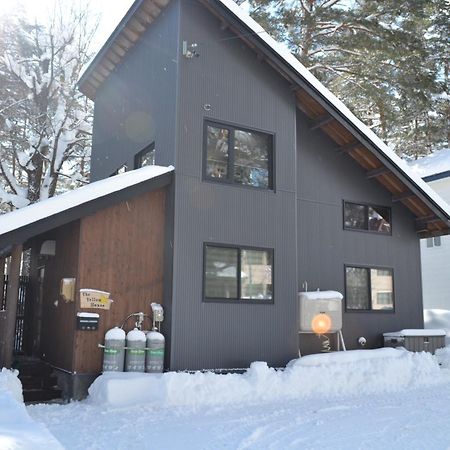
(320, 302)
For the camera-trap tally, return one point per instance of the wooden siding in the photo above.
(122, 252)
(58, 317)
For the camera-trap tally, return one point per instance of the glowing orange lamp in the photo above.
(321, 323)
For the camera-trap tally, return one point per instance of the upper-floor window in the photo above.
(376, 219)
(145, 157)
(238, 156)
(237, 273)
(122, 169)
(369, 289)
(434, 242)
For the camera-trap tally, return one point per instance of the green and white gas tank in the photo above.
(155, 352)
(135, 354)
(114, 351)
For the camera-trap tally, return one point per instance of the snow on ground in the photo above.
(380, 399)
(17, 430)
(438, 318)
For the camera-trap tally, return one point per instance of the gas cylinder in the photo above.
(114, 351)
(135, 354)
(154, 362)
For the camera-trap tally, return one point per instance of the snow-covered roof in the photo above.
(285, 57)
(64, 202)
(295, 64)
(434, 164)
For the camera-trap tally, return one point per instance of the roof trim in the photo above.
(101, 53)
(437, 176)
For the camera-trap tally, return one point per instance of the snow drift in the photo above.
(17, 429)
(443, 357)
(323, 375)
(438, 318)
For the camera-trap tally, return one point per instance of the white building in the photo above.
(435, 252)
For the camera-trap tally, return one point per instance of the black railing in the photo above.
(24, 289)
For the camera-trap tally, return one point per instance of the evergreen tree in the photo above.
(387, 60)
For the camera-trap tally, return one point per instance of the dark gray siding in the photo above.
(135, 106)
(244, 91)
(325, 179)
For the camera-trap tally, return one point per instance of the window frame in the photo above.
(239, 301)
(369, 287)
(366, 206)
(229, 180)
(140, 153)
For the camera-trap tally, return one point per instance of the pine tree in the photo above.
(387, 60)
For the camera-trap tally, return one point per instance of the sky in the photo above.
(110, 13)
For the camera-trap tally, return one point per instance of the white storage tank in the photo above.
(317, 304)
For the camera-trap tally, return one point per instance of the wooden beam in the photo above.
(349, 147)
(151, 9)
(321, 121)
(377, 172)
(428, 218)
(403, 196)
(137, 25)
(8, 325)
(130, 34)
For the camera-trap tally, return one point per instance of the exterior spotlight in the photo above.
(321, 323)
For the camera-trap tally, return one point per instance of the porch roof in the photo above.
(22, 224)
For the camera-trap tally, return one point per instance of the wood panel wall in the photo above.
(121, 252)
(58, 317)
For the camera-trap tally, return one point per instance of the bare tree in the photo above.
(45, 123)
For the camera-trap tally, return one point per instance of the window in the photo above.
(434, 242)
(122, 169)
(238, 156)
(369, 289)
(145, 157)
(237, 274)
(376, 219)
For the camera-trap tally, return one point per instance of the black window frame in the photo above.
(240, 301)
(141, 153)
(366, 206)
(369, 287)
(229, 180)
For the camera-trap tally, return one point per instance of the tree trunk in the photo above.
(8, 325)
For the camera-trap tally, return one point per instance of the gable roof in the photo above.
(325, 110)
(22, 224)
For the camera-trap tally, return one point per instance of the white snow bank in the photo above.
(438, 318)
(435, 163)
(417, 332)
(11, 384)
(17, 430)
(323, 375)
(322, 295)
(443, 357)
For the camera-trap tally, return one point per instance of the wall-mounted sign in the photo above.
(92, 298)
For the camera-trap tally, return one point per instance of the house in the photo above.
(435, 251)
(277, 188)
